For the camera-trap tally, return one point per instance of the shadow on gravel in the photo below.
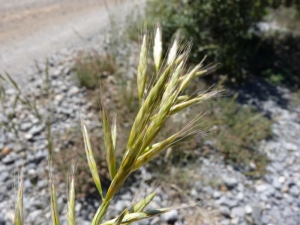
(255, 90)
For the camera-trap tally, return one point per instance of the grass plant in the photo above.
(160, 98)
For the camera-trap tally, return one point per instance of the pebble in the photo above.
(170, 217)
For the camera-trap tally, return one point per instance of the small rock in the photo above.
(225, 211)
(228, 202)
(35, 130)
(294, 190)
(240, 196)
(73, 91)
(248, 209)
(170, 217)
(4, 176)
(230, 182)
(28, 136)
(216, 194)
(261, 187)
(5, 151)
(265, 219)
(256, 215)
(238, 211)
(11, 158)
(282, 179)
(25, 126)
(290, 146)
(276, 184)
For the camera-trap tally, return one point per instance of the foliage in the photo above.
(225, 31)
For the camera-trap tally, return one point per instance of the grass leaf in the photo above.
(109, 145)
(91, 159)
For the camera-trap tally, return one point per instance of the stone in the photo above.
(256, 215)
(225, 211)
(25, 126)
(238, 211)
(282, 179)
(217, 194)
(170, 217)
(36, 130)
(230, 182)
(276, 184)
(11, 158)
(290, 146)
(248, 209)
(294, 191)
(73, 91)
(265, 219)
(4, 176)
(35, 214)
(5, 151)
(28, 136)
(240, 196)
(229, 202)
(261, 187)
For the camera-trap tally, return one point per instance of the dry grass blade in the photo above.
(54, 209)
(109, 145)
(91, 159)
(142, 70)
(157, 50)
(13, 82)
(71, 201)
(19, 219)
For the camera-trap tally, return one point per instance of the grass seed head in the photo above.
(157, 49)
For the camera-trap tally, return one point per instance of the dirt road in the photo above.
(32, 29)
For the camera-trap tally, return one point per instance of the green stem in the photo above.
(101, 212)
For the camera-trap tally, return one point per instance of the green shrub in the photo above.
(225, 31)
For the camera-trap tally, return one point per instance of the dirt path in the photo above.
(32, 29)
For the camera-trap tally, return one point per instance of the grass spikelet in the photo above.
(54, 209)
(154, 150)
(142, 204)
(173, 52)
(109, 145)
(142, 70)
(200, 98)
(114, 131)
(133, 217)
(121, 217)
(19, 219)
(90, 159)
(157, 49)
(71, 200)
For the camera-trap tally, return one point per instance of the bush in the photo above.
(225, 31)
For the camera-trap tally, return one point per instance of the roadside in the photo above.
(32, 30)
